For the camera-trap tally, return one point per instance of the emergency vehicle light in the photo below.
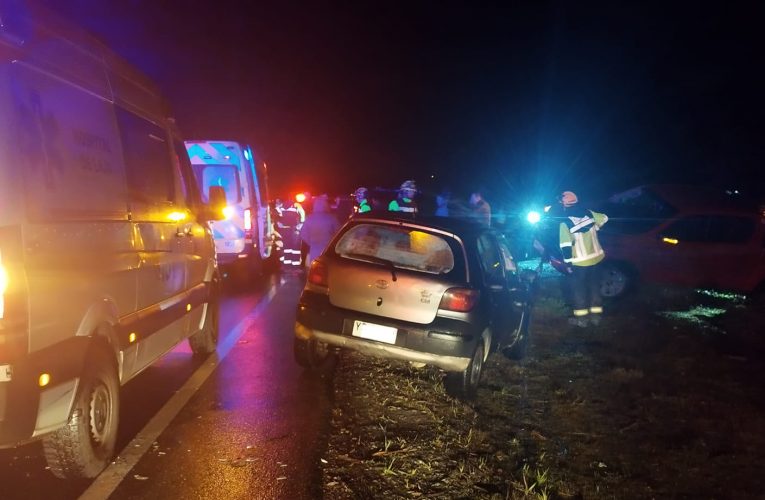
(247, 219)
(533, 217)
(671, 241)
(228, 212)
(300, 197)
(3, 286)
(43, 379)
(246, 154)
(176, 216)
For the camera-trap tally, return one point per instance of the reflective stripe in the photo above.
(596, 310)
(580, 223)
(581, 312)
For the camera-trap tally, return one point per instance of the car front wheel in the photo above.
(464, 384)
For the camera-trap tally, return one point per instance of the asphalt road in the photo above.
(245, 423)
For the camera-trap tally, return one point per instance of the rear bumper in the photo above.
(23, 404)
(446, 343)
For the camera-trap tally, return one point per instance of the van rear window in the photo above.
(225, 176)
(403, 247)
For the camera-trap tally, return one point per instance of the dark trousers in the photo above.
(585, 290)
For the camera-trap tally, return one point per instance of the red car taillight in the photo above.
(459, 299)
(318, 275)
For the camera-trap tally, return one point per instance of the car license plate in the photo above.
(371, 331)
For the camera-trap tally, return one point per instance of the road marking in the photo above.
(106, 482)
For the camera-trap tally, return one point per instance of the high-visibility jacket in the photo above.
(579, 239)
(364, 207)
(403, 205)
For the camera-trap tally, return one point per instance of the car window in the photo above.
(491, 259)
(635, 211)
(404, 247)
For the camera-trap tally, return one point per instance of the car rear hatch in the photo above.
(393, 271)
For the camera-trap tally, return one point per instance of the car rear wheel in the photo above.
(615, 281)
(85, 445)
(464, 384)
(311, 354)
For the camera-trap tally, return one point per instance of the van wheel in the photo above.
(205, 340)
(519, 339)
(464, 384)
(85, 445)
(311, 354)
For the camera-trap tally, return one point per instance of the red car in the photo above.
(682, 235)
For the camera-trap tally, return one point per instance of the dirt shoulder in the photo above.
(663, 400)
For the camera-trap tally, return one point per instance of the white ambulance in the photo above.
(244, 239)
(107, 260)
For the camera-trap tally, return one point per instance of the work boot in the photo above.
(578, 321)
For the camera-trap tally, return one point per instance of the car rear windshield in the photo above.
(404, 247)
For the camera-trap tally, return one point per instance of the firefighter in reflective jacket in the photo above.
(289, 224)
(582, 252)
(405, 201)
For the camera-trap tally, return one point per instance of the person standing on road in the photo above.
(405, 200)
(288, 225)
(578, 236)
(481, 210)
(442, 203)
(319, 228)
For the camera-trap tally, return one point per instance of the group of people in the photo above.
(576, 237)
(479, 209)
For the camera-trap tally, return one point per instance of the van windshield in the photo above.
(225, 176)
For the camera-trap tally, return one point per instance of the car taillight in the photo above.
(247, 219)
(317, 275)
(459, 299)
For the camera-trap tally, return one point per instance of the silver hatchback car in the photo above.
(434, 290)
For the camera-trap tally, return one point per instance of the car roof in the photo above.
(699, 199)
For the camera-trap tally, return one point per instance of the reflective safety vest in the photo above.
(579, 239)
(403, 205)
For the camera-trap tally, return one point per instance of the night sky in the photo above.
(520, 100)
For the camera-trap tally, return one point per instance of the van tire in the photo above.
(205, 341)
(464, 384)
(86, 444)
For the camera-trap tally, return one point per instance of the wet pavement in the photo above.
(253, 429)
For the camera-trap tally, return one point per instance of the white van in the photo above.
(244, 239)
(106, 256)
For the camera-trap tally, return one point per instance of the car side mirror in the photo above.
(216, 197)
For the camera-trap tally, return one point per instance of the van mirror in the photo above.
(217, 202)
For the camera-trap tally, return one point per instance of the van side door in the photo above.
(161, 271)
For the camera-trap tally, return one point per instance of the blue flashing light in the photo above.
(533, 217)
(247, 154)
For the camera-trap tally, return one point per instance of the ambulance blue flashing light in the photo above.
(533, 217)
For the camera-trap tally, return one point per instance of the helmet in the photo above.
(360, 192)
(408, 186)
(568, 198)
